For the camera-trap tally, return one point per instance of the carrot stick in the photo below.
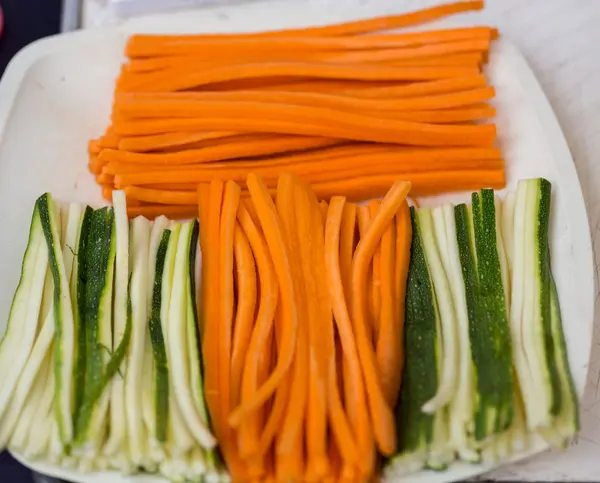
(213, 49)
(356, 403)
(311, 244)
(364, 221)
(262, 331)
(244, 316)
(218, 153)
(280, 402)
(387, 349)
(473, 112)
(339, 422)
(423, 183)
(152, 143)
(227, 226)
(185, 104)
(311, 121)
(174, 212)
(376, 273)
(348, 228)
(342, 29)
(178, 79)
(403, 243)
(382, 417)
(420, 89)
(210, 350)
(170, 197)
(270, 222)
(319, 170)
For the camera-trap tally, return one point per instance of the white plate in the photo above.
(56, 94)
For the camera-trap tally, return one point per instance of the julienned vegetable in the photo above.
(496, 260)
(472, 274)
(423, 436)
(540, 355)
(63, 319)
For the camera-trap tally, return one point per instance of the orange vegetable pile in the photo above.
(345, 107)
(303, 321)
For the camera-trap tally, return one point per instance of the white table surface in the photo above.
(560, 39)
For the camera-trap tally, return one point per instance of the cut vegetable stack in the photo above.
(85, 290)
(486, 366)
(348, 107)
(302, 370)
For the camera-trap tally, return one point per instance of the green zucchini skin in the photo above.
(564, 407)
(79, 312)
(100, 255)
(161, 391)
(18, 315)
(63, 321)
(493, 351)
(420, 377)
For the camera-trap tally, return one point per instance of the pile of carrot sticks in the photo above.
(303, 327)
(347, 107)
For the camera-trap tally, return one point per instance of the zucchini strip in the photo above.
(449, 353)
(180, 440)
(41, 424)
(161, 374)
(63, 321)
(118, 428)
(101, 364)
(551, 406)
(139, 246)
(420, 431)
(100, 255)
(176, 340)
(491, 341)
(22, 402)
(462, 405)
(18, 438)
(508, 227)
(22, 322)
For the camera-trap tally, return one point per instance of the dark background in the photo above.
(24, 22)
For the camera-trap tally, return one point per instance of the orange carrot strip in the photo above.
(161, 196)
(403, 243)
(332, 276)
(318, 170)
(364, 221)
(177, 79)
(185, 104)
(311, 244)
(280, 402)
(387, 349)
(94, 146)
(382, 417)
(244, 316)
(161, 141)
(210, 49)
(227, 225)
(262, 331)
(313, 121)
(419, 89)
(376, 273)
(210, 349)
(218, 153)
(174, 212)
(270, 222)
(341, 29)
(356, 402)
(423, 183)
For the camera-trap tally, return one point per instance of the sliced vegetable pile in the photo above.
(100, 361)
(302, 328)
(327, 337)
(486, 366)
(345, 107)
